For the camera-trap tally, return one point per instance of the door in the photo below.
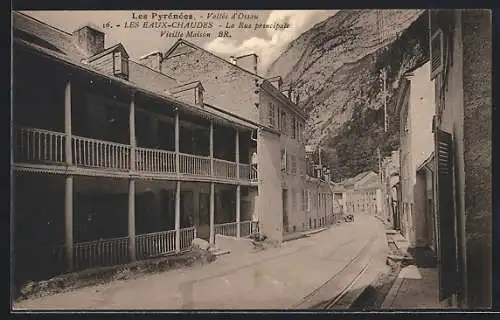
(445, 214)
(187, 208)
(285, 209)
(204, 224)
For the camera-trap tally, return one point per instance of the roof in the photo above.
(187, 86)
(47, 36)
(265, 83)
(159, 95)
(59, 45)
(109, 50)
(426, 162)
(183, 41)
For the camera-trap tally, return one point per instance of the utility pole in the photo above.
(379, 163)
(383, 77)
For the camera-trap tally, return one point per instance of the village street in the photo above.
(285, 277)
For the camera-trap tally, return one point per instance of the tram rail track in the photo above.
(353, 271)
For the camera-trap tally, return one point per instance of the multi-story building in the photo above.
(416, 107)
(237, 86)
(461, 67)
(114, 160)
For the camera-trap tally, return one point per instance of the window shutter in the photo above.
(437, 53)
(446, 215)
(117, 61)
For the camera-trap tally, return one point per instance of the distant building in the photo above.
(363, 194)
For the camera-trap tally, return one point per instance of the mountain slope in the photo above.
(335, 68)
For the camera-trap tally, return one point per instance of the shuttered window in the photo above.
(446, 215)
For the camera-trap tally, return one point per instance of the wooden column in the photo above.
(68, 221)
(131, 219)
(211, 148)
(177, 137)
(238, 210)
(131, 186)
(212, 213)
(68, 201)
(238, 187)
(178, 216)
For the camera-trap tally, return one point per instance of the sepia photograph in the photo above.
(177, 160)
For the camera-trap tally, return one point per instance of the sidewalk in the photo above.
(416, 286)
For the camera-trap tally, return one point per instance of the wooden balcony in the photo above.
(44, 147)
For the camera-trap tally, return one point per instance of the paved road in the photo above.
(273, 278)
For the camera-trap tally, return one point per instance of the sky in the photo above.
(266, 43)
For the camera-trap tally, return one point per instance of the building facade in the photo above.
(461, 58)
(114, 160)
(416, 106)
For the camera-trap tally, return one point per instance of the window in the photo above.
(198, 95)
(293, 165)
(308, 200)
(283, 160)
(272, 115)
(304, 202)
(294, 128)
(283, 122)
(294, 203)
(120, 64)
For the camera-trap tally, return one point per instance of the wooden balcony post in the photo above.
(212, 148)
(67, 123)
(68, 222)
(177, 160)
(131, 219)
(237, 152)
(68, 203)
(131, 186)
(238, 210)
(178, 216)
(212, 213)
(132, 132)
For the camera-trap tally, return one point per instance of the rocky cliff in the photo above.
(335, 66)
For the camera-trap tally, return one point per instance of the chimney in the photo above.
(152, 60)
(247, 62)
(89, 39)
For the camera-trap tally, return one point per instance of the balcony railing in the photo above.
(248, 228)
(95, 153)
(157, 161)
(39, 146)
(229, 229)
(224, 169)
(100, 253)
(195, 165)
(226, 229)
(155, 244)
(248, 172)
(187, 235)
(115, 251)
(48, 147)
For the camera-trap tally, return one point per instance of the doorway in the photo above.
(285, 207)
(187, 208)
(204, 221)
